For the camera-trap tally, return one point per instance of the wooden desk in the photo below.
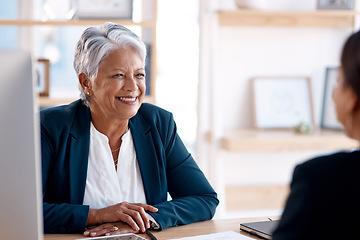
(200, 228)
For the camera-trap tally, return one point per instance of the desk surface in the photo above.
(200, 228)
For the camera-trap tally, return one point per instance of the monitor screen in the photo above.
(20, 167)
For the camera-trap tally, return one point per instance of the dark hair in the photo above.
(350, 62)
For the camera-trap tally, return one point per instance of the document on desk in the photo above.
(230, 235)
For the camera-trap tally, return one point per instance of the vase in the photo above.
(251, 4)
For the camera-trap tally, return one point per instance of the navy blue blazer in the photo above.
(324, 202)
(165, 165)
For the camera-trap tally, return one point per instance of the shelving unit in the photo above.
(320, 18)
(46, 101)
(227, 41)
(80, 22)
(145, 24)
(252, 140)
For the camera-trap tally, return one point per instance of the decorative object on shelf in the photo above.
(282, 102)
(251, 4)
(328, 116)
(119, 9)
(60, 10)
(303, 128)
(336, 4)
(276, 5)
(42, 72)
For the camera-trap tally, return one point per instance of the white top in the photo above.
(104, 185)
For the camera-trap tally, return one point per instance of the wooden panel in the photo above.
(48, 102)
(256, 197)
(335, 18)
(247, 140)
(82, 22)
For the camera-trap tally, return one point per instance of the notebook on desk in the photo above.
(262, 229)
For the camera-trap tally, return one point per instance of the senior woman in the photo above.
(109, 160)
(324, 202)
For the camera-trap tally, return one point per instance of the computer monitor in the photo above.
(20, 167)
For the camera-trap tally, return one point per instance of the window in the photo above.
(8, 10)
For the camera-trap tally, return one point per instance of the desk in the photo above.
(200, 228)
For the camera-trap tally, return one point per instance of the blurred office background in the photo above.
(203, 55)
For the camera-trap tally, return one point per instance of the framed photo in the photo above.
(43, 77)
(282, 102)
(336, 4)
(328, 116)
(118, 9)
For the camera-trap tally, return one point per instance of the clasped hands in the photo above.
(118, 219)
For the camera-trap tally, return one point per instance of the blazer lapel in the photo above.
(79, 138)
(147, 158)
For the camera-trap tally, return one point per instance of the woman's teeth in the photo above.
(127, 99)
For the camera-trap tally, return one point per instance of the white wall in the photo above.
(178, 51)
(246, 52)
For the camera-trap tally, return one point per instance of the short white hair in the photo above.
(98, 42)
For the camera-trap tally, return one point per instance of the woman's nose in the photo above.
(130, 84)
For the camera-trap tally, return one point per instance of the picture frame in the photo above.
(328, 115)
(282, 102)
(42, 74)
(335, 4)
(104, 9)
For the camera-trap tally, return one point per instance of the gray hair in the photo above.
(96, 43)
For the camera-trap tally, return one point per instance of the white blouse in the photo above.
(104, 185)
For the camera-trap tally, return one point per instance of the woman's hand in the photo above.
(109, 229)
(134, 214)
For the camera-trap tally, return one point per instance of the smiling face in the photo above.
(118, 90)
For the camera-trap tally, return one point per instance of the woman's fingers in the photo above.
(133, 219)
(147, 207)
(109, 229)
(142, 208)
(134, 214)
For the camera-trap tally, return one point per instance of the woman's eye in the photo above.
(140, 75)
(120, 75)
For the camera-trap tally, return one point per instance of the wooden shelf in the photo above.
(320, 18)
(248, 140)
(49, 102)
(80, 22)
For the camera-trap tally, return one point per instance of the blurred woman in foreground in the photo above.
(324, 202)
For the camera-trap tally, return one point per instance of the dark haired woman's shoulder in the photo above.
(331, 163)
(334, 157)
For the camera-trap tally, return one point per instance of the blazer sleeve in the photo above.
(58, 216)
(298, 208)
(193, 198)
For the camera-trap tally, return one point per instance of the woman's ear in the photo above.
(353, 129)
(352, 101)
(85, 83)
(356, 107)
